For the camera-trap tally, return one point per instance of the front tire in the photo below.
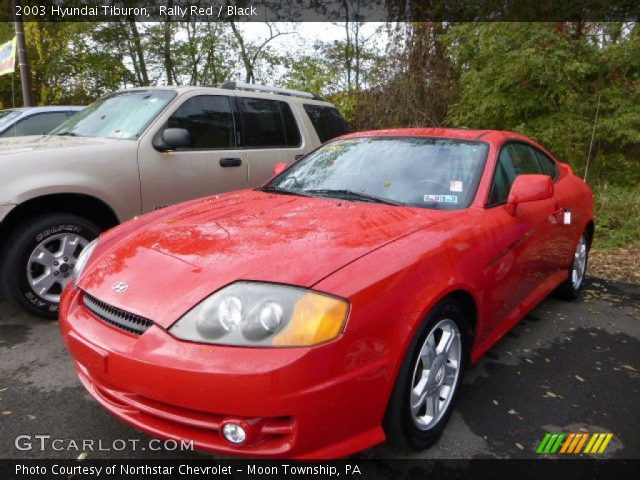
(39, 260)
(570, 288)
(429, 380)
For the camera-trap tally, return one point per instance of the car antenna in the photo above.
(593, 134)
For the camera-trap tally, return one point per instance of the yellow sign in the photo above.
(8, 57)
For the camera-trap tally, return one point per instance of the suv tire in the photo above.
(39, 258)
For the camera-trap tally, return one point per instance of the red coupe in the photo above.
(336, 306)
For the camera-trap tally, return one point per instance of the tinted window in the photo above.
(547, 165)
(327, 121)
(269, 123)
(40, 123)
(515, 159)
(208, 119)
(418, 171)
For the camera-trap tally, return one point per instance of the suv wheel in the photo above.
(39, 260)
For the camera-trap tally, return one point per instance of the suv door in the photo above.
(212, 164)
(271, 134)
(521, 244)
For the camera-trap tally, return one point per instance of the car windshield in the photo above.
(7, 116)
(122, 115)
(436, 173)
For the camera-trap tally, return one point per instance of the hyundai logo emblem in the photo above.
(120, 287)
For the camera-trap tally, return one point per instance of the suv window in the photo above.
(515, 159)
(269, 123)
(327, 121)
(209, 120)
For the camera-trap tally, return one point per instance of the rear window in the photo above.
(327, 121)
(269, 124)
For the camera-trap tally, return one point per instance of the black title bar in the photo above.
(322, 10)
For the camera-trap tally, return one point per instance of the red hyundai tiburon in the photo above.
(335, 307)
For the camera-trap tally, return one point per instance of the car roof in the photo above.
(489, 136)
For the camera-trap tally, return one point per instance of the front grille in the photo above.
(114, 316)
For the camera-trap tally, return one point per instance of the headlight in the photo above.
(264, 315)
(83, 258)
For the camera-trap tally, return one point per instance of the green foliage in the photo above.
(546, 81)
(617, 216)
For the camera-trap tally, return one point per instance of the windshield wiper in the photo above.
(283, 191)
(67, 134)
(351, 195)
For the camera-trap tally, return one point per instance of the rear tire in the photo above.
(413, 423)
(39, 258)
(571, 287)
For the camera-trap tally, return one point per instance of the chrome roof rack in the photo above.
(231, 85)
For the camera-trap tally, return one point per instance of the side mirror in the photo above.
(173, 138)
(529, 188)
(279, 167)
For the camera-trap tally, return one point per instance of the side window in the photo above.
(269, 123)
(524, 158)
(39, 124)
(515, 159)
(547, 165)
(208, 119)
(327, 121)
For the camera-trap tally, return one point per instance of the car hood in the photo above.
(22, 145)
(176, 260)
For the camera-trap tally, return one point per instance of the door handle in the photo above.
(230, 162)
(299, 156)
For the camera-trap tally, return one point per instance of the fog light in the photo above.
(234, 433)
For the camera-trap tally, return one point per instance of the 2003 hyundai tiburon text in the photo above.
(335, 307)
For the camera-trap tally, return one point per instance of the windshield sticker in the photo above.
(441, 198)
(455, 185)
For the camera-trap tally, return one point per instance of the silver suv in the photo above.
(132, 152)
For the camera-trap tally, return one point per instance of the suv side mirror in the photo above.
(529, 188)
(173, 138)
(279, 168)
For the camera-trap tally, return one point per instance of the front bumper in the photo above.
(321, 402)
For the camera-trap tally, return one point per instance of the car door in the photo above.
(214, 162)
(520, 260)
(563, 236)
(271, 135)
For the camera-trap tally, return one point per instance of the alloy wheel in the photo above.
(50, 266)
(435, 374)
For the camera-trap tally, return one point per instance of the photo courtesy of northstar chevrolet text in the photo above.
(346, 232)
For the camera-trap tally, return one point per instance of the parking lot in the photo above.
(568, 367)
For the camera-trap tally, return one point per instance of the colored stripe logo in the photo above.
(574, 443)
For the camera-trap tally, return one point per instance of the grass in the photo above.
(617, 217)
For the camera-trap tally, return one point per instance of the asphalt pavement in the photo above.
(567, 367)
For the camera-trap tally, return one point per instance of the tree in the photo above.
(251, 52)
